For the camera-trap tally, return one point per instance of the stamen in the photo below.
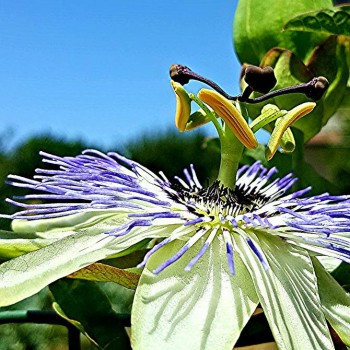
(232, 117)
(287, 141)
(269, 113)
(183, 106)
(284, 123)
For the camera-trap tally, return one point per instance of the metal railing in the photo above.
(43, 317)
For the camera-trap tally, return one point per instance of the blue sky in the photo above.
(99, 70)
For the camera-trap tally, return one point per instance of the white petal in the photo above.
(203, 309)
(288, 293)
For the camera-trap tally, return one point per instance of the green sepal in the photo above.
(27, 274)
(283, 123)
(335, 302)
(98, 272)
(68, 222)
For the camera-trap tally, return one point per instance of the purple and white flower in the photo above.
(217, 253)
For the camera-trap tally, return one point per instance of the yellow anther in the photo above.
(280, 128)
(226, 110)
(183, 106)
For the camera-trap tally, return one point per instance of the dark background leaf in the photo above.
(88, 304)
(342, 275)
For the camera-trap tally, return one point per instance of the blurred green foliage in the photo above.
(171, 152)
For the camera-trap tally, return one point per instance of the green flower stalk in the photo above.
(219, 252)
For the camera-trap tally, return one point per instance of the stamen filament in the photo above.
(209, 113)
(269, 114)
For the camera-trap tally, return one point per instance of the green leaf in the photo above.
(75, 323)
(334, 20)
(335, 302)
(330, 59)
(86, 303)
(205, 308)
(258, 28)
(104, 273)
(287, 291)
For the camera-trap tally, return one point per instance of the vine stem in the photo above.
(231, 147)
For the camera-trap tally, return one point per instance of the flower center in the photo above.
(218, 201)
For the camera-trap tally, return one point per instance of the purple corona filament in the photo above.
(185, 212)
